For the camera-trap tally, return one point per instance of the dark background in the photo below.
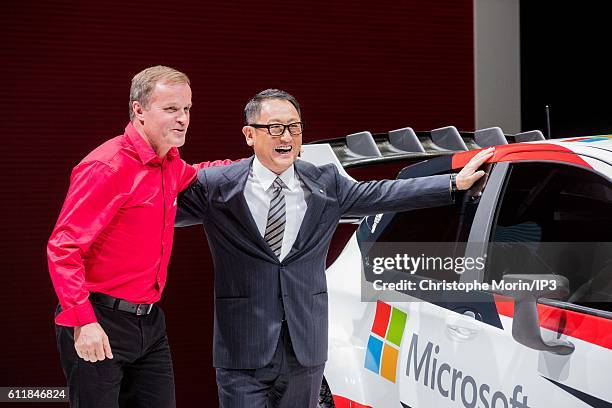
(360, 65)
(565, 49)
(67, 67)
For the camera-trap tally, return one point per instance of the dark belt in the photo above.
(120, 304)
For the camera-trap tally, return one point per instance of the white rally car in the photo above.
(544, 347)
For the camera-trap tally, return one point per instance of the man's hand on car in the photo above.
(470, 173)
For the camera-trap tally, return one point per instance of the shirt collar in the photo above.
(144, 151)
(266, 176)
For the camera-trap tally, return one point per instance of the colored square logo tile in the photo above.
(381, 320)
(373, 354)
(388, 366)
(396, 327)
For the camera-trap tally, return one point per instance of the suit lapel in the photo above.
(309, 175)
(232, 194)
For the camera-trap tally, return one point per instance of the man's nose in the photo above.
(182, 117)
(286, 136)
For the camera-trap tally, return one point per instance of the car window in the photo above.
(438, 224)
(556, 219)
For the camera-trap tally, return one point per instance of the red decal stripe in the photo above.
(593, 329)
(577, 139)
(523, 152)
(381, 321)
(342, 402)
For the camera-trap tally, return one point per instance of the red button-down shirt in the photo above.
(114, 233)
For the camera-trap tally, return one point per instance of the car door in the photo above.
(545, 218)
(460, 351)
(368, 333)
(450, 354)
(425, 340)
(555, 219)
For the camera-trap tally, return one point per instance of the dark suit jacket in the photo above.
(252, 286)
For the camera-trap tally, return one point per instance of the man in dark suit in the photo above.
(269, 221)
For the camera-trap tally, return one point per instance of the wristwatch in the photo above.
(453, 185)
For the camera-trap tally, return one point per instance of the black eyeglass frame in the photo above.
(285, 127)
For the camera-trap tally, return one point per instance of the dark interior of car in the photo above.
(557, 219)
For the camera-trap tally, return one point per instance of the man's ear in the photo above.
(248, 131)
(138, 111)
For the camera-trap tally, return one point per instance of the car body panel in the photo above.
(475, 354)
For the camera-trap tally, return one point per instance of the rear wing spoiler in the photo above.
(364, 148)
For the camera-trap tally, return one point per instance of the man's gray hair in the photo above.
(144, 82)
(253, 106)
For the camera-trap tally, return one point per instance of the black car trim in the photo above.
(582, 396)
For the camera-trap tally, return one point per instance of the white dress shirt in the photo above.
(258, 194)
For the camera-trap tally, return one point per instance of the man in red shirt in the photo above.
(108, 253)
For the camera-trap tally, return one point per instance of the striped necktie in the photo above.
(275, 227)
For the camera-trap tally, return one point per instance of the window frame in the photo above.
(482, 233)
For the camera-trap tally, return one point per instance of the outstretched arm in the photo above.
(371, 197)
(193, 202)
(364, 198)
(190, 172)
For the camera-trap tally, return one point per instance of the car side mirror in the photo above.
(526, 324)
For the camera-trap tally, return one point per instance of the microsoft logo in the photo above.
(385, 340)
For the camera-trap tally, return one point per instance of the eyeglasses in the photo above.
(278, 129)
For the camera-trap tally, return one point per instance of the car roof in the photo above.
(603, 142)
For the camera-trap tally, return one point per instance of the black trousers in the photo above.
(283, 383)
(139, 375)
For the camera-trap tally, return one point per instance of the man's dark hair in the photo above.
(253, 106)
